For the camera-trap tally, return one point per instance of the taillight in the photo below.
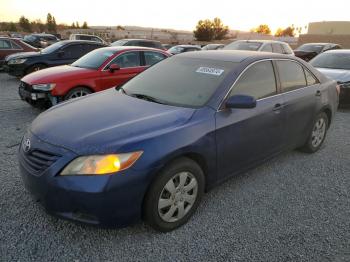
(338, 89)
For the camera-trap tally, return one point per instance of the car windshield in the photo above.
(332, 60)
(52, 48)
(176, 50)
(180, 81)
(94, 59)
(119, 43)
(310, 48)
(243, 45)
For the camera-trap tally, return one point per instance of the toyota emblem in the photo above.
(26, 145)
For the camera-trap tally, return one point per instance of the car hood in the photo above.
(339, 75)
(56, 74)
(23, 55)
(106, 121)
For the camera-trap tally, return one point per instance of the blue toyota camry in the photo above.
(151, 148)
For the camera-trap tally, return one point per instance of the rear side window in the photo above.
(286, 49)
(257, 81)
(291, 75)
(277, 48)
(73, 51)
(267, 48)
(310, 79)
(152, 58)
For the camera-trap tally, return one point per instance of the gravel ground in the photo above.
(294, 208)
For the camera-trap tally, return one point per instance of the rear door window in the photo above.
(73, 51)
(291, 75)
(267, 48)
(277, 48)
(152, 58)
(129, 59)
(15, 46)
(257, 81)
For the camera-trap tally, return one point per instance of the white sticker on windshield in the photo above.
(210, 71)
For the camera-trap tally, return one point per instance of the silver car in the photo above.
(261, 45)
(335, 64)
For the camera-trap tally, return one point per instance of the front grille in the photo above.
(26, 86)
(37, 161)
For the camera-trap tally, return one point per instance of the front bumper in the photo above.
(15, 70)
(108, 200)
(35, 97)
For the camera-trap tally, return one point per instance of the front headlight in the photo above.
(17, 61)
(100, 164)
(44, 87)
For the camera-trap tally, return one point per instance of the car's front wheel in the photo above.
(35, 68)
(174, 195)
(77, 92)
(318, 134)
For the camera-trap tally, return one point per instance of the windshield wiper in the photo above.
(147, 98)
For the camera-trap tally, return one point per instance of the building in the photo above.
(337, 32)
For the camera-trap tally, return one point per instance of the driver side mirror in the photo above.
(114, 67)
(241, 101)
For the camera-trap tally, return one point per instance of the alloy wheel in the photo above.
(318, 132)
(78, 93)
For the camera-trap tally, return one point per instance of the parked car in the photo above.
(335, 64)
(139, 42)
(16, 35)
(167, 46)
(152, 147)
(60, 53)
(213, 47)
(12, 45)
(178, 49)
(40, 40)
(93, 38)
(96, 71)
(309, 51)
(261, 45)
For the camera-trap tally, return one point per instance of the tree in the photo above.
(204, 30)
(262, 29)
(77, 25)
(207, 30)
(73, 26)
(51, 23)
(24, 24)
(85, 25)
(289, 31)
(220, 30)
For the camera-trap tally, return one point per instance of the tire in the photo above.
(317, 134)
(35, 68)
(177, 207)
(77, 92)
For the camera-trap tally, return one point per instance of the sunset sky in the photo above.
(179, 14)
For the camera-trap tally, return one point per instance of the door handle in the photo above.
(318, 93)
(278, 107)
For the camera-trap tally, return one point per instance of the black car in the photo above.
(40, 40)
(138, 42)
(60, 53)
(310, 50)
(183, 48)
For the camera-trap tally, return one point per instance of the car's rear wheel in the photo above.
(174, 195)
(77, 92)
(35, 68)
(318, 134)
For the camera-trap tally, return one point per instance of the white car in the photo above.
(93, 38)
(261, 45)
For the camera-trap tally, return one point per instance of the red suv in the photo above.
(96, 71)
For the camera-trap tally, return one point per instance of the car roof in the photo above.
(235, 56)
(122, 48)
(320, 44)
(188, 46)
(262, 41)
(138, 39)
(339, 51)
(79, 41)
